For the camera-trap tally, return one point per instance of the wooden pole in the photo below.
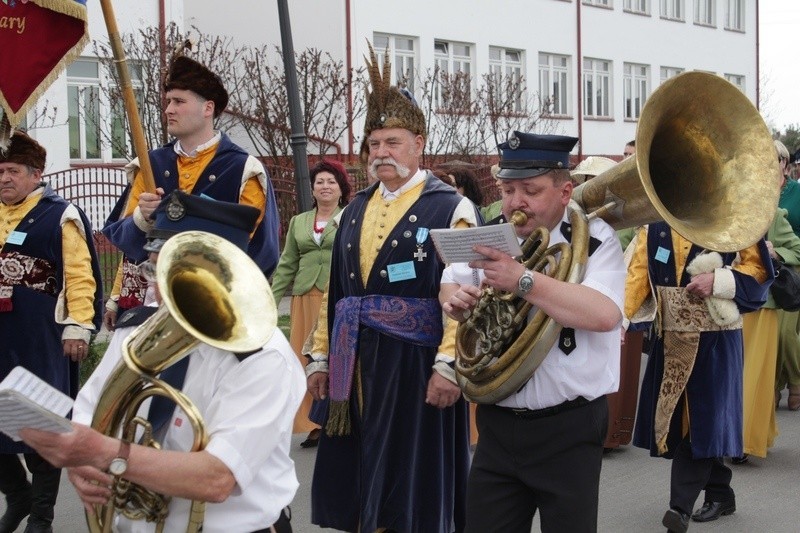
(137, 132)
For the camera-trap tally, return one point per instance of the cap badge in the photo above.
(175, 209)
(513, 142)
(382, 118)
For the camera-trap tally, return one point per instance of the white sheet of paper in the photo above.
(455, 245)
(26, 401)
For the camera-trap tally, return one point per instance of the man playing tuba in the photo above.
(247, 402)
(541, 447)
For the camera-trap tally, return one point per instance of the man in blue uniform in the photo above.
(200, 161)
(50, 296)
(690, 408)
(394, 453)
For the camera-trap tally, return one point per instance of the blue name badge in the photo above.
(662, 255)
(16, 237)
(401, 271)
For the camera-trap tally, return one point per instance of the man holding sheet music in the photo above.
(541, 447)
(50, 297)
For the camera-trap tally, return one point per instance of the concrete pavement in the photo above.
(634, 491)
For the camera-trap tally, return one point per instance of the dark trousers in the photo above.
(691, 476)
(43, 491)
(551, 464)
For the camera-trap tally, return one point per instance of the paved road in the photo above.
(634, 491)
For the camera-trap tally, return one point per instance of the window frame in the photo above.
(673, 10)
(505, 69)
(443, 63)
(707, 10)
(559, 77)
(599, 102)
(399, 56)
(735, 9)
(635, 89)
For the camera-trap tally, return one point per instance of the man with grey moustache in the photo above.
(394, 452)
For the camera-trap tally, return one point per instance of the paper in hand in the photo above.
(455, 245)
(26, 401)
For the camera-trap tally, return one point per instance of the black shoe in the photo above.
(312, 440)
(38, 527)
(675, 521)
(742, 459)
(15, 514)
(713, 510)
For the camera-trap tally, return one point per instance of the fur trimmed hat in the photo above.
(189, 75)
(388, 106)
(24, 150)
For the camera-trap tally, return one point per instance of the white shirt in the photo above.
(248, 408)
(591, 370)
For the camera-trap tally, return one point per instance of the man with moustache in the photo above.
(394, 452)
(541, 448)
(201, 161)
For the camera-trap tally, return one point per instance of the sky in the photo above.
(779, 53)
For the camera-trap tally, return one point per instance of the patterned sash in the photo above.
(682, 317)
(134, 286)
(413, 320)
(26, 271)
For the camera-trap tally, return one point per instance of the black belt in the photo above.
(529, 414)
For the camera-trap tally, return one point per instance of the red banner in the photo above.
(38, 38)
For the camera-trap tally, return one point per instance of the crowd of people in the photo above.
(374, 314)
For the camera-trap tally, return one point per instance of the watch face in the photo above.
(118, 466)
(525, 282)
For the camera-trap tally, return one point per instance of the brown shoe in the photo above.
(794, 401)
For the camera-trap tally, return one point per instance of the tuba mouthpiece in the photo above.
(518, 218)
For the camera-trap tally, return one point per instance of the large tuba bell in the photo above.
(211, 292)
(705, 163)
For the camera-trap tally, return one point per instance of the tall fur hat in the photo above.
(388, 106)
(189, 75)
(24, 150)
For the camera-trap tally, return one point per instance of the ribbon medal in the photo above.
(422, 236)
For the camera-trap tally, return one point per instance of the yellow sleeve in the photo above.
(137, 188)
(448, 345)
(321, 341)
(750, 263)
(80, 285)
(117, 288)
(637, 283)
(253, 194)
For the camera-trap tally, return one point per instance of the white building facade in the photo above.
(594, 62)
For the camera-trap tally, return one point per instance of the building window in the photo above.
(669, 72)
(737, 80)
(596, 88)
(640, 7)
(554, 84)
(507, 78)
(705, 12)
(672, 9)
(601, 3)
(402, 50)
(453, 63)
(83, 92)
(734, 15)
(636, 81)
(119, 132)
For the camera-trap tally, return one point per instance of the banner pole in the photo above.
(128, 97)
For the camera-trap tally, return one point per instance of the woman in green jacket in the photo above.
(305, 265)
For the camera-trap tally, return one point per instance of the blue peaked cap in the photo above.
(179, 212)
(526, 155)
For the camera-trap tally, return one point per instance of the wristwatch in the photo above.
(525, 283)
(119, 464)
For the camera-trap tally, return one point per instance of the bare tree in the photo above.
(467, 120)
(263, 106)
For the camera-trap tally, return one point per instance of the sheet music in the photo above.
(455, 245)
(26, 401)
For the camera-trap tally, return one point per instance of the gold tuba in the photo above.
(705, 164)
(212, 292)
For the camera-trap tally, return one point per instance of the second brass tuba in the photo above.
(212, 292)
(705, 164)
